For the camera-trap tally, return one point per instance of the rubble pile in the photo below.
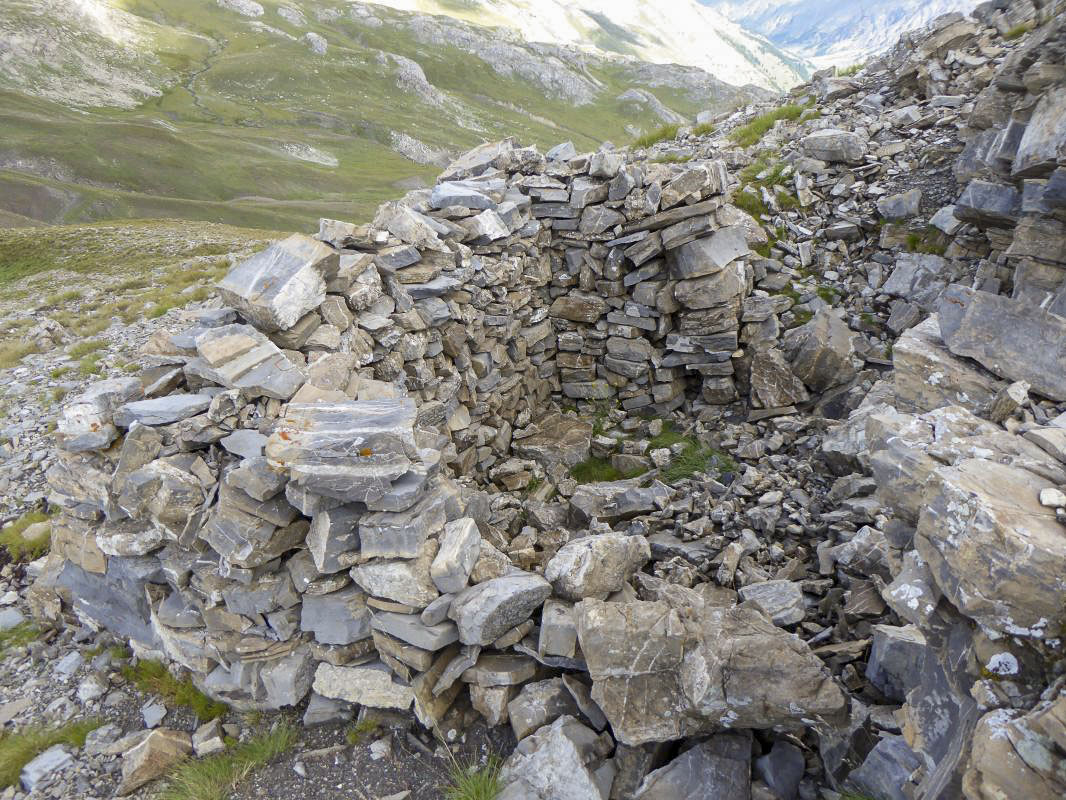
(351, 480)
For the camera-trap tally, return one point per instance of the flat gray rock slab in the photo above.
(1014, 340)
(162, 410)
(245, 443)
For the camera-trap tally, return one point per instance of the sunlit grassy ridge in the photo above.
(253, 128)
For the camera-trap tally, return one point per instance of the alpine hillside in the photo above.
(274, 114)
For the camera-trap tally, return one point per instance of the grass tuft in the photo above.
(360, 730)
(18, 748)
(21, 548)
(12, 354)
(847, 72)
(475, 783)
(216, 777)
(84, 348)
(697, 458)
(600, 470)
(930, 243)
(752, 133)
(1017, 32)
(704, 129)
(19, 636)
(153, 677)
(663, 134)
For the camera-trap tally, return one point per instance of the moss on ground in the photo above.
(154, 678)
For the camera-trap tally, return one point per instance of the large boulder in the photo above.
(995, 551)
(820, 351)
(596, 565)
(660, 674)
(1014, 340)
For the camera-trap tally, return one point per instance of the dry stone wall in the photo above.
(288, 501)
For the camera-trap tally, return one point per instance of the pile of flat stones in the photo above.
(348, 482)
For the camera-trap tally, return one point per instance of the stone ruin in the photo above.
(338, 483)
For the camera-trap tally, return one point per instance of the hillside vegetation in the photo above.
(285, 112)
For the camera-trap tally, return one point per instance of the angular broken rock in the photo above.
(87, 419)
(371, 685)
(277, 286)
(781, 600)
(596, 565)
(995, 551)
(834, 145)
(488, 610)
(152, 758)
(719, 767)
(351, 451)
(999, 333)
(658, 677)
(555, 763)
(709, 255)
(460, 546)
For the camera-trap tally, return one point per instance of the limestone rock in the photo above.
(834, 145)
(488, 610)
(718, 767)
(277, 286)
(596, 565)
(152, 758)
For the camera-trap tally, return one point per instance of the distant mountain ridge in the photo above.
(657, 31)
(835, 32)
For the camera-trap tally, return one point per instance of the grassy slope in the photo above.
(210, 148)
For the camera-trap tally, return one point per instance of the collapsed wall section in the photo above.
(290, 486)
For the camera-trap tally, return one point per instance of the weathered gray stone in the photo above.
(556, 439)
(161, 410)
(540, 703)
(709, 255)
(371, 685)
(781, 600)
(834, 145)
(718, 767)
(351, 451)
(334, 532)
(555, 763)
(486, 611)
(657, 677)
(411, 629)
(277, 286)
(87, 419)
(995, 552)
(336, 618)
(596, 565)
(820, 351)
(897, 657)
(152, 758)
(999, 333)
(900, 206)
(460, 546)
(405, 581)
(40, 769)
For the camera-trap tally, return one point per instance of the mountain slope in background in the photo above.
(270, 114)
(835, 32)
(657, 31)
